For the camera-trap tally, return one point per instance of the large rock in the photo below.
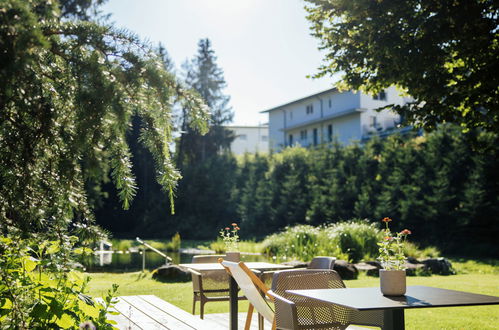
(440, 266)
(346, 270)
(171, 273)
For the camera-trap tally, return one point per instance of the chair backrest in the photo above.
(252, 287)
(322, 263)
(206, 258)
(305, 279)
(294, 312)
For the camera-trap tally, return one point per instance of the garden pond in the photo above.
(130, 261)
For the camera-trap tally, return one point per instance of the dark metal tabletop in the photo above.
(415, 297)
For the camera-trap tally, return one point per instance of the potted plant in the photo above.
(230, 237)
(391, 255)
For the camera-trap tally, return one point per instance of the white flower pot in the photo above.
(233, 256)
(392, 282)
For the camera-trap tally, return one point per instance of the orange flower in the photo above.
(386, 219)
(234, 224)
(227, 228)
(388, 238)
(406, 232)
(237, 228)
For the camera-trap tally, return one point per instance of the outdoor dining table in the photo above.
(365, 299)
(260, 266)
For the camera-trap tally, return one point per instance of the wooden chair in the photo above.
(253, 289)
(208, 286)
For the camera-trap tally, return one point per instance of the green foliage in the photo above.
(298, 242)
(353, 241)
(175, 243)
(38, 289)
(357, 239)
(203, 75)
(68, 91)
(412, 250)
(442, 53)
(441, 186)
(391, 248)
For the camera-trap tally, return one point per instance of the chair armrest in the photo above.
(194, 272)
(285, 312)
(197, 280)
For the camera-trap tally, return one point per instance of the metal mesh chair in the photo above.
(322, 263)
(296, 312)
(208, 286)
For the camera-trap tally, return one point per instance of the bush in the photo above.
(294, 242)
(353, 241)
(357, 239)
(39, 291)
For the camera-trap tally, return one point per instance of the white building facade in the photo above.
(320, 118)
(249, 139)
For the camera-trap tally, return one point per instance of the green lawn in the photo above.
(480, 317)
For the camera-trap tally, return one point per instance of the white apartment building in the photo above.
(250, 139)
(347, 116)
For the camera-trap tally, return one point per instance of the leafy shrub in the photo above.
(38, 289)
(412, 250)
(353, 240)
(358, 239)
(218, 246)
(294, 242)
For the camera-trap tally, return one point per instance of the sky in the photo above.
(264, 47)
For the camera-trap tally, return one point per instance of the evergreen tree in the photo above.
(68, 90)
(203, 75)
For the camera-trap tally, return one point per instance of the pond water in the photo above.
(125, 261)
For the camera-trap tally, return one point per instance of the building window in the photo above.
(381, 96)
(290, 138)
(242, 137)
(330, 103)
(264, 138)
(303, 135)
(330, 133)
(316, 137)
(310, 109)
(373, 121)
(291, 115)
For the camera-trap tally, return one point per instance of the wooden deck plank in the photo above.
(222, 320)
(140, 318)
(192, 321)
(168, 319)
(122, 321)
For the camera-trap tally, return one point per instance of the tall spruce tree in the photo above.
(203, 75)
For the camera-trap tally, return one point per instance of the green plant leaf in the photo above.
(29, 263)
(5, 303)
(65, 321)
(88, 310)
(39, 311)
(54, 247)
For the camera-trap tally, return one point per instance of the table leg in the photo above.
(233, 304)
(394, 319)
